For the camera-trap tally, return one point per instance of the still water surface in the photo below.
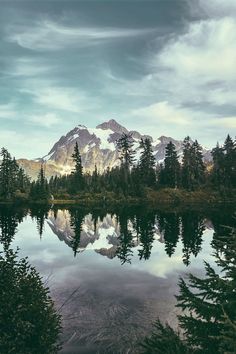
(112, 274)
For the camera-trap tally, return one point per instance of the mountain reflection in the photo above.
(123, 234)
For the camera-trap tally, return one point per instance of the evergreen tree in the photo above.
(39, 189)
(125, 147)
(218, 172)
(147, 163)
(77, 175)
(230, 162)
(193, 169)
(198, 164)
(187, 167)
(171, 171)
(29, 321)
(95, 180)
(8, 171)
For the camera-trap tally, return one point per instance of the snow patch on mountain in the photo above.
(104, 136)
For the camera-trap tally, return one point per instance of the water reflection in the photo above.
(9, 220)
(121, 234)
(128, 229)
(125, 264)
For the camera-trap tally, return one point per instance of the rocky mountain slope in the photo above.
(97, 147)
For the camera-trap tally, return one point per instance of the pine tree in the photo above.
(125, 148)
(12, 177)
(218, 172)
(230, 162)
(95, 180)
(171, 170)
(40, 189)
(187, 168)
(7, 175)
(147, 163)
(198, 164)
(193, 169)
(77, 175)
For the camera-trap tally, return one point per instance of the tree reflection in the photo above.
(124, 250)
(192, 231)
(76, 222)
(145, 226)
(169, 226)
(9, 220)
(39, 213)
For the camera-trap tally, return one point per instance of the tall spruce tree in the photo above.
(230, 162)
(187, 166)
(39, 188)
(7, 174)
(125, 147)
(147, 163)
(77, 174)
(126, 151)
(171, 170)
(218, 171)
(12, 177)
(198, 164)
(193, 168)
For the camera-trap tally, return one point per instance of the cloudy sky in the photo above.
(160, 67)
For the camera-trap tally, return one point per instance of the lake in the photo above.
(112, 273)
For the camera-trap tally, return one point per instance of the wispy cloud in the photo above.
(28, 67)
(58, 98)
(163, 112)
(7, 111)
(45, 120)
(48, 35)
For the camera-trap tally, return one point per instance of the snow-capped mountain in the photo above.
(97, 147)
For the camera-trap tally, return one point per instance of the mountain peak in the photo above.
(81, 127)
(113, 125)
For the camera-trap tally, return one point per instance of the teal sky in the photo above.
(160, 67)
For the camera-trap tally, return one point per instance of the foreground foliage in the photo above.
(28, 320)
(208, 321)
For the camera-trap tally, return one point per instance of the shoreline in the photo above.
(152, 198)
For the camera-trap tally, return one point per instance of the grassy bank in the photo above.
(154, 198)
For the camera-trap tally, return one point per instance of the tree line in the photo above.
(131, 177)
